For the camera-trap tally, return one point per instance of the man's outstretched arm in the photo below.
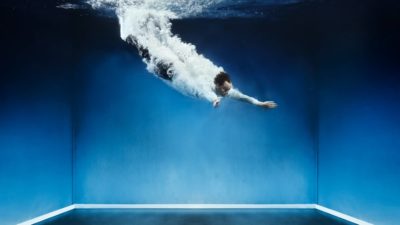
(236, 94)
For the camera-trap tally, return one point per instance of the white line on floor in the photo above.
(195, 206)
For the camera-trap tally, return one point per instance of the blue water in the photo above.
(195, 216)
(82, 121)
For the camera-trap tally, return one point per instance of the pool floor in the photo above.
(195, 217)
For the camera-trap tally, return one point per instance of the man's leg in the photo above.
(143, 52)
(162, 68)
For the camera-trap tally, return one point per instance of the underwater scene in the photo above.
(254, 102)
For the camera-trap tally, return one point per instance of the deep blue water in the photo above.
(82, 121)
(195, 216)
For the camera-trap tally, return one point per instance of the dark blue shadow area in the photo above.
(359, 133)
(195, 216)
(35, 117)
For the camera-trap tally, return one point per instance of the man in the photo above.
(213, 90)
(223, 87)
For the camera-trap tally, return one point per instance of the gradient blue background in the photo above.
(139, 141)
(35, 117)
(359, 108)
(82, 121)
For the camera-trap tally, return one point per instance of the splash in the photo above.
(198, 8)
(147, 24)
(181, 8)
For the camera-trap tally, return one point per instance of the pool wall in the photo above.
(359, 158)
(35, 119)
(139, 141)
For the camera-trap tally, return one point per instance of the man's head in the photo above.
(222, 83)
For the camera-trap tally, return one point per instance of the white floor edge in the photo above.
(47, 215)
(194, 206)
(341, 215)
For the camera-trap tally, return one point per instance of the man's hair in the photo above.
(221, 78)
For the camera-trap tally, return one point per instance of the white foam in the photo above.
(182, 8)
(148, 23)
(194, 8)
(69, 6)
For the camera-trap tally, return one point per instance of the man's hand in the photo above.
(216, 102)
(268, 104)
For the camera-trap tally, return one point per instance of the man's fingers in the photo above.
(216, 104)
(270, 104)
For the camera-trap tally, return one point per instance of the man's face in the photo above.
(224, 88)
